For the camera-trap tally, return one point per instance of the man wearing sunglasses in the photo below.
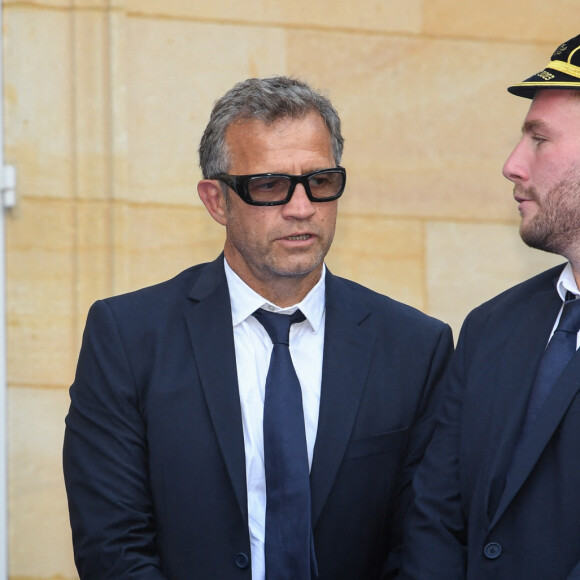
(204, 442)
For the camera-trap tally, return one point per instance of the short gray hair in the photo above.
(265, 100)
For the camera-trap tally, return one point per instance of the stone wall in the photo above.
(105, 102)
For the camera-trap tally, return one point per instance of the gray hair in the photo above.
(266, 100)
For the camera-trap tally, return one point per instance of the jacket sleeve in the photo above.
(105, 461)
(420, 434)
(435, 543)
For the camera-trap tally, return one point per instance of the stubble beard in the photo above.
(277, 268)
(270, 266)
(556, 226)
(282, 267)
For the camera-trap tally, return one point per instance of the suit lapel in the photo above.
(347, 352)
(511, 387)
(548, 420)
(209, 321)
(552, 411)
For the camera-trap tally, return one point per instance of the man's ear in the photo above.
(211, 194)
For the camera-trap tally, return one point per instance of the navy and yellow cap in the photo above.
(562, 72)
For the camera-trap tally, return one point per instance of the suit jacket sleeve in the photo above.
(435, 543)
(105, 461)
(420, 434)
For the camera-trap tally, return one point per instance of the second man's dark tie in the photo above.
(557, 355)
(288, 525)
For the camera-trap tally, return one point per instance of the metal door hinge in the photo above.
(8, 186)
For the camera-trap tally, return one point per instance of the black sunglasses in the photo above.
(277, 188)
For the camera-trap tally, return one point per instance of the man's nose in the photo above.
(299, 205)
(515, 167)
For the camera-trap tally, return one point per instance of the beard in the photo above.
(556, 226)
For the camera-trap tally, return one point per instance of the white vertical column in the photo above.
(8, 189)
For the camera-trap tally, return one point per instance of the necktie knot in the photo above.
(570, 318)
(278, 325)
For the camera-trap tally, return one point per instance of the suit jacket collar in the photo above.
(513, 384)
(210, 327)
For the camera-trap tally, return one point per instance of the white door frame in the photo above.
(7, 200)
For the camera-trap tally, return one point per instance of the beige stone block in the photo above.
(375, 15)
(176, 71)
(66, 130)
(468, 264)
(94, 257)
(155, 243)
(535, 21)
(40, 539)
(428, 122)
(92, 111)
(383, 254)
(38, 95)
(41, 292)
(69, 4)
(119, 105)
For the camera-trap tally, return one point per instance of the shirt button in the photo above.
(492, 550)
(242, 561)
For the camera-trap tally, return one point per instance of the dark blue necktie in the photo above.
(288, 526)
(557, 355)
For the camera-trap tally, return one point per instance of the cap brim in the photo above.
(549, 78)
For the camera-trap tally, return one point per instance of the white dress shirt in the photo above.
(566, 283)
(253, 349)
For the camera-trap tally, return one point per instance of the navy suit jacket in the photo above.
(470, 520)
(154, 453)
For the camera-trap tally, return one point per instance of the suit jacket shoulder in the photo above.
(396, 313)
(160, 295)
(505, 311)
(519, 294)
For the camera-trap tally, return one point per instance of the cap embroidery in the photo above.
(562, 48)
(572, 53)
(545, 75)
(565, 67)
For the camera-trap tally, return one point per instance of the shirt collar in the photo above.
(567, 282)
(245, 301)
